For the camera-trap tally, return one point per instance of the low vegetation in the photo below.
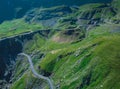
(77, 61)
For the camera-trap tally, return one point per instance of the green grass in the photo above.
(36, 43)
(87, 64)
(20, 84)
(101, 61)
(92, 63)
(15, 27)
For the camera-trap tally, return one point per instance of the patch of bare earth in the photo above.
(66, 36)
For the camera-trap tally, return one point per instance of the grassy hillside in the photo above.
(81, 52)
(88, 64)
(15, 27)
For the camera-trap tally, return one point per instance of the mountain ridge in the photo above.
(70, 44)
(16, 9)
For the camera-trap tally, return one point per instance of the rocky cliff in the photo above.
(9, 49)
(74, 51)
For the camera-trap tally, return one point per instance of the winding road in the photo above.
(35, 73)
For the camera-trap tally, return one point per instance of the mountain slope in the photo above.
(83, 65)
(11, 9)
(76, 47)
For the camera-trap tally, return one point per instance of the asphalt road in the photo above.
(35, 73)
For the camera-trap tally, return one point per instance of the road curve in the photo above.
(35, 73)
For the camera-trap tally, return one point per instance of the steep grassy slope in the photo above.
(81, 52)
(91, 63)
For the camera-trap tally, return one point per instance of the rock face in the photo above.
(48, 17)
(9, 49)
(72, 24)
(39, 14)
(72, 16)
